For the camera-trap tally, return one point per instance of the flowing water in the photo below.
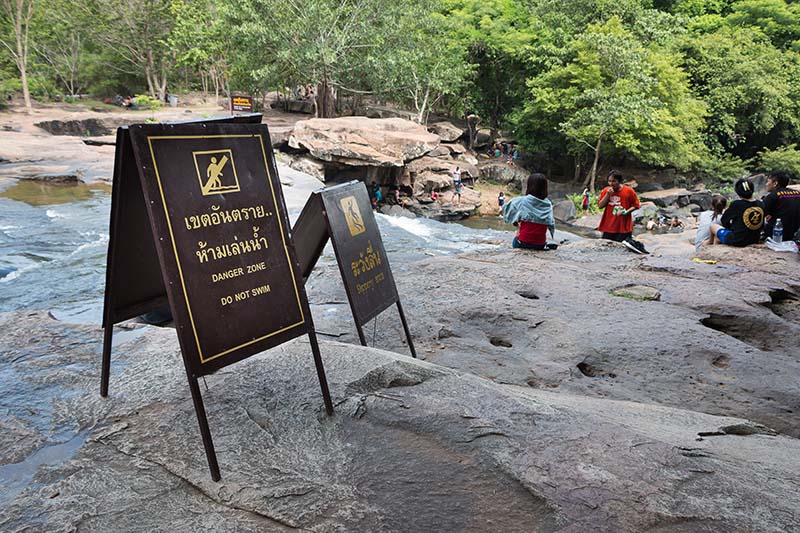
(54, 239)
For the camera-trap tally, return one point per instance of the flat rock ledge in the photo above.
(412, 447)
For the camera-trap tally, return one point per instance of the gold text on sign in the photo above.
(227, 216)
(368, 259)
(206, 253)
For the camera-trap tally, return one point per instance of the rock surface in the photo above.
(411, 447)
(360, 141)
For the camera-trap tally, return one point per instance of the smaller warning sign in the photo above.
(242, 103)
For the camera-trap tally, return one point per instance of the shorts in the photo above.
(724, 235)
(516, 243)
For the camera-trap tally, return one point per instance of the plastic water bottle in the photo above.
(777, 231)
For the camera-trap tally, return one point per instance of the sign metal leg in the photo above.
(361, 336)
(208, 444)
(105, 371)
(405, 328)
(323, 381)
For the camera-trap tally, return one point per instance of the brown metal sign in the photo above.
(219, 228)
(242, 103)
(224, 244)
(344, 213)
(359, 250)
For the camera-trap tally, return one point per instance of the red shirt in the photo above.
(532, 233)
(610, 223)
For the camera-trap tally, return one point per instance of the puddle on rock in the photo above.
(37, 193)
(15, 477)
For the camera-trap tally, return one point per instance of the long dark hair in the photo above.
(537, 186)
(718, 204)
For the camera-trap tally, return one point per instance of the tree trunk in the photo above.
(590, 179)
(325, 100)
(204, 83)
(20, 13)
(472, 127)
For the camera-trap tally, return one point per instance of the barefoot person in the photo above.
(718, 204)
(532, 214)
(618, 201)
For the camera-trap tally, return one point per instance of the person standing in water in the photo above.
(532, 214)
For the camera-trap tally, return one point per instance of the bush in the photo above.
(577, 199)
(786, 158)
(143, 101)
(723, 169)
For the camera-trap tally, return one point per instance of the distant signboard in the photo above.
(242, 103)
(221, 234)
(344, 214)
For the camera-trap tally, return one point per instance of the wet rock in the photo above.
(308, 165)
(88, 127)
(565, 210)
(397, 211)
(701, 199)
(646, 210)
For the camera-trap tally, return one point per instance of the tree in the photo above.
(62, 44)
(138, 32)
(421, 64)
(615, 92)
(19, 14)
(751, 88)
(199, 41)
(323, 42)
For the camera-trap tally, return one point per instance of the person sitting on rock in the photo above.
(718, 204)
(532, 214)
(782, 203)
(741, 223)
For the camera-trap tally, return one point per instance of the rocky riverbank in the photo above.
(583, 388)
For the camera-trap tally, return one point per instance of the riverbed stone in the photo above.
(461, 451)
(361, 141)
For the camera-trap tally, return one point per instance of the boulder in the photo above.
(360, 141)
(446, 131)
(388, 112)
(667, 197)
(483, 138)
(702, 199)
(91, 127)
(308, 165)
(440, 151)
(503, 173)
(469, 159)
(565, 210)
(456, 148)
(646, 210)
(396, 211)
(442, 165)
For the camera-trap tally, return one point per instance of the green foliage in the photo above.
(145, 101)
(615, 91)
(725, 168)
(577, 199)
(786, 158)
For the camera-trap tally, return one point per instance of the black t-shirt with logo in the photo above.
(744, 219)
(784, 204)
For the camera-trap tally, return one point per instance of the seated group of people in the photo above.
(746, 221)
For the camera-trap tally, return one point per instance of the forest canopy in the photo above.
(704, 86)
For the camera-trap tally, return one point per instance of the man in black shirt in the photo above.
(742, 221)
(783, 203)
